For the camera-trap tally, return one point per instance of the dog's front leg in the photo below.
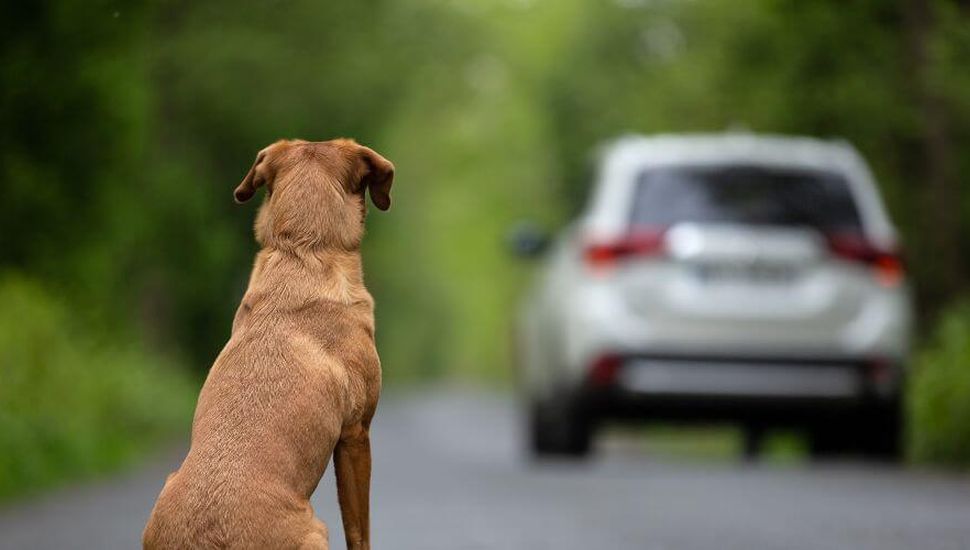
(352, 463)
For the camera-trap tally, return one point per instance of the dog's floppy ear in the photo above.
(261, 173)
(377, 177)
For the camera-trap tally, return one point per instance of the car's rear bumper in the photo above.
(762, 411)
(739, 378)
(762, 390)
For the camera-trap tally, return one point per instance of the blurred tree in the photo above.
(934, 149)
(71, 110)
(124, 127)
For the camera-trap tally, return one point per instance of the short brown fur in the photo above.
(299, 379)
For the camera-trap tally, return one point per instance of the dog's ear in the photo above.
(378, 175)
(261, 173)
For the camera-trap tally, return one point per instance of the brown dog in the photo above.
(299, 379)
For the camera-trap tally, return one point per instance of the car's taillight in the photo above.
(603, 370)
(639, 243)
(878, 371)
(887, 265)
(882, 376)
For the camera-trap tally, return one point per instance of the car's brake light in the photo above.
(603, 370)
(887, 265)
(639, 243)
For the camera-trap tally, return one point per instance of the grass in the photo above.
(939, 396)
(72, 405)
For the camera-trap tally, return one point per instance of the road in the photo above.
(448, 475)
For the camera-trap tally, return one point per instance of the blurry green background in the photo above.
(124, 127)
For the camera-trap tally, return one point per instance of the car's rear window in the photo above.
(744, 194)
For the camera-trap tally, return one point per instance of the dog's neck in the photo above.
(294, 277)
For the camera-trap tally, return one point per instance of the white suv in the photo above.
(753, 279)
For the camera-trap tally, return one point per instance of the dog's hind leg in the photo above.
(352, 464)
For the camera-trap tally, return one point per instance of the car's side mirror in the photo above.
(527, 240)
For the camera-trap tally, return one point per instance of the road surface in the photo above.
(448, 475)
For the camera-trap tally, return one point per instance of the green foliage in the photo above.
(130, 125)
(940, 393)
(71, 405)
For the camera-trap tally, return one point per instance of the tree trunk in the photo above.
(939, 243)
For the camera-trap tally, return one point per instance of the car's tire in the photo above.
(875, 434)
(882, 433)
(559, 428)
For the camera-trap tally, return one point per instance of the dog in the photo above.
(299, 379)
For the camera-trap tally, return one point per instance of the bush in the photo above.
(940, 393)
(71, 406)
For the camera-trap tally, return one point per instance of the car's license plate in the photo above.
(742, 273)
(650, 376)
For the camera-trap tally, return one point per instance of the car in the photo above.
(733, 277)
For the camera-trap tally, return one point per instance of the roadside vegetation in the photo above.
(940, 393)
(127, 125)
(73, 405)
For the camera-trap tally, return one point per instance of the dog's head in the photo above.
(315, 191)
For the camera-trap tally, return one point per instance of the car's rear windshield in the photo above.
(742, 194)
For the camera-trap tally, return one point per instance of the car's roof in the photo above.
(624, 158)
(732, 147)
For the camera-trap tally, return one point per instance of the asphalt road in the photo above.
(448, 475)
